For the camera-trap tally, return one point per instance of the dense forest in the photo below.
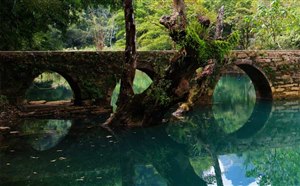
(99, 25)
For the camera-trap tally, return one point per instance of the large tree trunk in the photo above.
(174, 86)
(129, 66)
(126, 91)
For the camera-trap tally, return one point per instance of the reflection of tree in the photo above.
(276, 159)
(234, 99)
(178, 152)
(275, 166)
(167, 156)
(93, 156)
(45, 134)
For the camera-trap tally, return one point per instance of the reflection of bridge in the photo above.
(90, 153)
(93, 75)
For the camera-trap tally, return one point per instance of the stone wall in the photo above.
(281, 68)
(93, 75)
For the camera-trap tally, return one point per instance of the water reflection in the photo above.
(194, 152)
(234, 99)
(45, 134)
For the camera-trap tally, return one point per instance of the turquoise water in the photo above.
(237, 141)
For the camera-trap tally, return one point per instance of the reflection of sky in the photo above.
(233, 171)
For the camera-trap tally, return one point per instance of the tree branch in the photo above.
(219, 24)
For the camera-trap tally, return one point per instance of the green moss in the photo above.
(91, 90)
(158, 94)
(284, 68)
(198, 39)
(269, 72)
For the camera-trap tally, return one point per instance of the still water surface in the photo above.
(237, 141)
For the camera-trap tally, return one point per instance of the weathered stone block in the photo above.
(242, 55)
(263, 60)
(291, 93)
(279, 89)
(277, 59)
(288, 85)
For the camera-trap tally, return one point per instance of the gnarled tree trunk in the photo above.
(174, 86)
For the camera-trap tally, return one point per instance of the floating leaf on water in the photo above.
(59, 150)
(14, 132)
(109, 136)
(52, 161)
(62, 158)
(4, 128)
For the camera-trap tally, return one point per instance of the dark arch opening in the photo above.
(259, 80)
(55, 86)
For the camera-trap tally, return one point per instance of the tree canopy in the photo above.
(29, 25)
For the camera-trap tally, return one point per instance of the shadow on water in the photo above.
(197, 151)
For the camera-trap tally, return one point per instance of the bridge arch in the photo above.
(263, 104)
(70, 80)
(260, 81)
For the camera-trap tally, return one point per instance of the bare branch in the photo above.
(219, 24)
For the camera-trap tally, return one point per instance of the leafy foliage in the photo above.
(274, 23)
(22, 21)
(198, 38)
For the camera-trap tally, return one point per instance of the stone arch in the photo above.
(260, 81)
(74, 86)
(71, 81)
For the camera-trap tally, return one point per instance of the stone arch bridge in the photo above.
(93, 75)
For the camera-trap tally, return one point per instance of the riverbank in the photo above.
(49, 110)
